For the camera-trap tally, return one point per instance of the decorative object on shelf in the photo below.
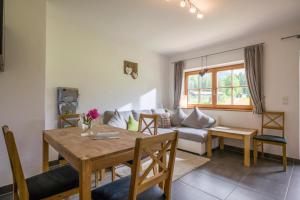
(192, 8)
(86, 119)
(131, 68)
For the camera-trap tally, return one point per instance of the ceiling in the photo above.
(167, 28)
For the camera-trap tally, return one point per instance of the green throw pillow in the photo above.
(132, 124)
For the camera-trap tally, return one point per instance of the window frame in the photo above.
(214, 104)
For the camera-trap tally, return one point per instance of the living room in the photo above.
(75, 44)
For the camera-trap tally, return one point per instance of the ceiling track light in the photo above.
(192, 8)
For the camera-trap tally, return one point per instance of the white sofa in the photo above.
(190, 139)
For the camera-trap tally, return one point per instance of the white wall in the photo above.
(82, 57)
(281, 79)
(22, 84)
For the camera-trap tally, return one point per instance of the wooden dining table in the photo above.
(87, 155)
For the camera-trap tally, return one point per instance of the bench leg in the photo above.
(255, 151)
(262, 149)
(247, 151)
(221, 142)
(113, 173)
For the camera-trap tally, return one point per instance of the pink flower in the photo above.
(93, 114)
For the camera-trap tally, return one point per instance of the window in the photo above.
(220, 88)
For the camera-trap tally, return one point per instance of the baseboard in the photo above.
(6, 189)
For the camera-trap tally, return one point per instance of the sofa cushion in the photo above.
(164, 130)
(177, 117)
(164, 118)
(136, 113)
(193, 134)
(198, 119)
(133, 125)
(107, 116)
(158, 111)
(125, 114)
(117, 121)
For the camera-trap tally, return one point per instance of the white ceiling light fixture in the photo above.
(200, 15)
(183, 3)
(192, 8)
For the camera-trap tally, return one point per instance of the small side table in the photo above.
(222, 132)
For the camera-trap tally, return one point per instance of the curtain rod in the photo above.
(193, 58)
(292, 36)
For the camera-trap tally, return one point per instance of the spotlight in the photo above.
(192, 9)
(200, 15)
(183, 3)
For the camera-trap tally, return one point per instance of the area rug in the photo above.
(185, 162)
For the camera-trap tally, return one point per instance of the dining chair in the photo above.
(71, 120)
(59, 183)
(148, 124)
(68, 120)
(65, 121)
(141, 184)
(273, 121)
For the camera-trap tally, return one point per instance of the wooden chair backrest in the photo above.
(18, 176)
(148, 124)
(155, 147)
(70, 119)
(273, 120)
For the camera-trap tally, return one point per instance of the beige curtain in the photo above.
(254, 72)
(178, 76)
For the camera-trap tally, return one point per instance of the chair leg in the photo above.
(168, 189)
(255, 151)
(96, 178)
(102, 174)
(15, 192)
(113, 173)
(284, 157)
(99, 176)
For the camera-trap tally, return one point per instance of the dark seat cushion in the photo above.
(119, 190)
(52, 182)
(270, 138)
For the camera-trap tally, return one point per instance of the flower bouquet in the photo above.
(88, 118)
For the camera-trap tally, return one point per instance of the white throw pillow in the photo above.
(117, 121)
(136, 113)
(198, 119)
(178, 117)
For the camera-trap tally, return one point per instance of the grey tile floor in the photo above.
(224, 177)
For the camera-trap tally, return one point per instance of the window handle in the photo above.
(215, 92)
